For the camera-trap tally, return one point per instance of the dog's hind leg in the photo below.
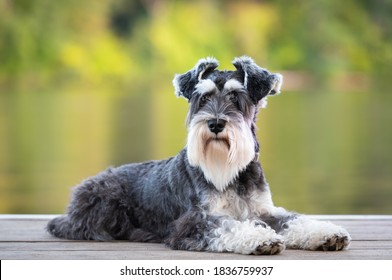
(100, 210)
(60, 227)
(201, 232)
(63, 227)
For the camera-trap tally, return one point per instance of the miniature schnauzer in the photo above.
(213, 195)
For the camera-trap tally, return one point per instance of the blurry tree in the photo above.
(113, 41)
(124, 15)
(329, 37)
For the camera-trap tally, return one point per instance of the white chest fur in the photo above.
(229, 203)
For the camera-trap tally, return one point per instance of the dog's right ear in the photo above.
(258, 81)
(184, 84)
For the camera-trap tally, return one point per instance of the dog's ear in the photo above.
(258, 82)
(184, 84)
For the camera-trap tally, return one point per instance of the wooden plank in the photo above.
(34, 229)
(186, 255)
(139, 247)
(368, 229)
(24, 230)
(24, 237)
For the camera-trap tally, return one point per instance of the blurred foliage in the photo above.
(45, 41)
(86, 84)
(331, 35)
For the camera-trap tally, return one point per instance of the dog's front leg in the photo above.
(309, 234)
(202, 232)
(302, 232)
(245, 237)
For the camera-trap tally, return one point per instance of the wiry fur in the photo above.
(223, 157)
(213, 195)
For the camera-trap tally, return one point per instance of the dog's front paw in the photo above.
(337, 242)
(270, 247)
(328, 237)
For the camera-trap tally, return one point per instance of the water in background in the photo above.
(323, 152)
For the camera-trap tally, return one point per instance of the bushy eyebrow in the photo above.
(205, 86)
(232, 85)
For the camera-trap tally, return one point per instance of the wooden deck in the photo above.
(24, 237)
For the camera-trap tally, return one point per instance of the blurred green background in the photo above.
(87, 84)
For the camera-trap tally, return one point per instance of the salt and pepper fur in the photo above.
(213, 195)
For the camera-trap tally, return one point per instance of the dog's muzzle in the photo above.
(216, 125)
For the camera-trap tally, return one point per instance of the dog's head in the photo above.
(221, 119)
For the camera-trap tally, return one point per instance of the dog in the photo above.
(213, 195)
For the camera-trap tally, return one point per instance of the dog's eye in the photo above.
(204, 99)
(233, 97)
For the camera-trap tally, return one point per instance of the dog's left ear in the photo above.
(258, 82)
(184, 84)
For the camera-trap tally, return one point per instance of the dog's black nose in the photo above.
(216, 125)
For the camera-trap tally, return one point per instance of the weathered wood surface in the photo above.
(24, 237)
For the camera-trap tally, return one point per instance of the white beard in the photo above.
(222, 157)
